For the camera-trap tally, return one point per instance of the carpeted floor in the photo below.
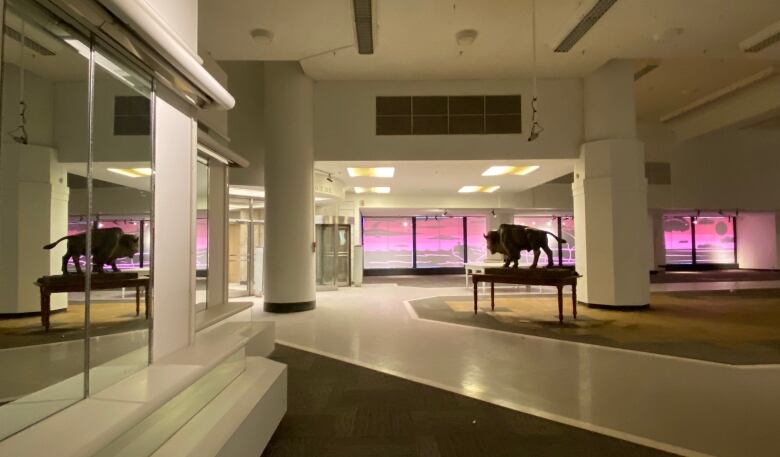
(736, 327)
(434, 281)
(107, 317)
(339, 409)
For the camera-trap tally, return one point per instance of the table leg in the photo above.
(574, 299)
(492, 296)
(45, 308)
(560, 304)
(467, 277)
(137, 300)
(475, 293)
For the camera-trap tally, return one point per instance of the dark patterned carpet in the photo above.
(339, 409)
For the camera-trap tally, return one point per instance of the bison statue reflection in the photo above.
(510, 240)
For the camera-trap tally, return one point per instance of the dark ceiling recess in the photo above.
(585, 24)
(364, 26)
(644, 71)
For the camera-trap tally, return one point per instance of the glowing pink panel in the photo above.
(440, 242)
(387, 242)
(678, 240)
(714, 239)
(476, 227)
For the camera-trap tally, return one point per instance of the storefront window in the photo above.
(439, 242)
(568, 250)
(678, 240)
(387, 242)
(714, 239)
(76, 175)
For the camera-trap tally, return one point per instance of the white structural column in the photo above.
(289, 281)
(610, 195)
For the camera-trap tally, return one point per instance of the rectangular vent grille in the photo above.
(364, 26)
(132, 115)
(585, 24)
(33, 45)
(449, 115)
(644, 71)
(765, 43)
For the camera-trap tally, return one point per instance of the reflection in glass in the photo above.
(476, 228)
(202, 235)
(122, 171)
(43, 131)
(239, 251)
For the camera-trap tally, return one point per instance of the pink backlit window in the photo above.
(440, 242)
(387, 242)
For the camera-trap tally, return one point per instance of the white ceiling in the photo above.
(447, 176)
(415, 39)
(695, 41)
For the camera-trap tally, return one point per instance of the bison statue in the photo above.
(510, 240)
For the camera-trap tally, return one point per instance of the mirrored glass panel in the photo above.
(122, 203)
(202, 236)
(43, 218)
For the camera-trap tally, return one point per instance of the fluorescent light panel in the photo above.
(500, 170)
(372, 190)
(584, 25)
(141, 172)
(484, 189)
(375, 172)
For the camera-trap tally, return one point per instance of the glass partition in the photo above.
(715, 239)
(122, 163)
(202, 235)
(678, 240)
(76, 193)
(476, 228)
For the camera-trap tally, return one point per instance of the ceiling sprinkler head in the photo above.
(262, 36)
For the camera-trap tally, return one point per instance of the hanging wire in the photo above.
(19, 134)
(536, 127)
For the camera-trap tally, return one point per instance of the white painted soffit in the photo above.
(145, 21)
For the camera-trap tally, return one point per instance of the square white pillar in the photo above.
(610, 210)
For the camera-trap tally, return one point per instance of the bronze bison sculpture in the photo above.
(510, 240)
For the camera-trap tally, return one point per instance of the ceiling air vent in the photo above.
(364, 26)
(585, 24)
(34, 45)
(762, 39)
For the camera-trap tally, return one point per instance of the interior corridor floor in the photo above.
(674, 404)
(337, 409)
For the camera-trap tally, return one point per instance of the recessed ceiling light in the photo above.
(132, 172)
(375, 172)
(501, 170)
(472, 189)
(372, 190)
(262, 36)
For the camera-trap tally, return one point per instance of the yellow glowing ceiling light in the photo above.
(377, 172)
(132, 172)
(472, 189)
(500, 170)
(372, 190)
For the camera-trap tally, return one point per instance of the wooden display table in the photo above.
(99, 281)
(556, 277)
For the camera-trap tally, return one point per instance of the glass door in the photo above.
(326, 256)
(239, 247)
(343, 255)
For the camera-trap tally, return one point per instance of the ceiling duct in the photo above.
(762, 39)
(584, 25)
(642, 72)
(31, 44)
(364, 26)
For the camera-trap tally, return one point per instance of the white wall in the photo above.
(245, 82)
(757, 241)
(345, 114)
